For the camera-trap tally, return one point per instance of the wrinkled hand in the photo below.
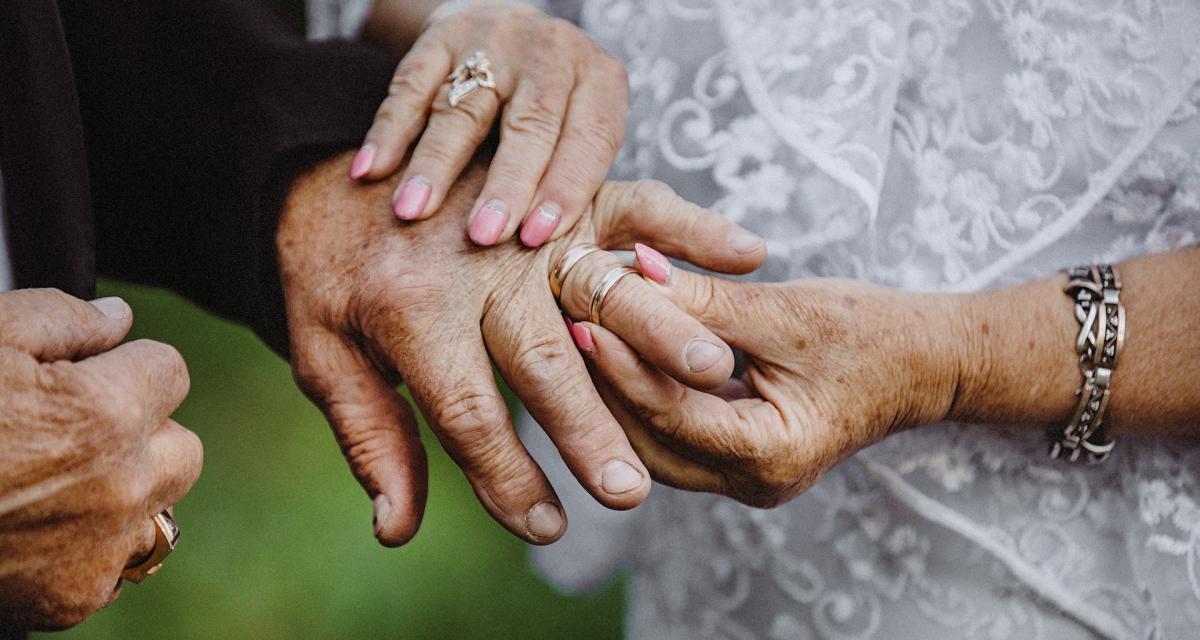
(89, 453)
(562, 100)
(831, 366)
(371, 300)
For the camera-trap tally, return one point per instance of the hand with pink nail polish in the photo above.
(833, 366)
(372, 301)
(560, 100)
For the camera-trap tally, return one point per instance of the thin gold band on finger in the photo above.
(566, 262)
(609, 281)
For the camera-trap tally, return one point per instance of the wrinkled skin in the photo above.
(831, 366)
(90, 453)
(560, 101)
(372, 300)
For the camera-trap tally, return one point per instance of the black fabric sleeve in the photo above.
(196, 115)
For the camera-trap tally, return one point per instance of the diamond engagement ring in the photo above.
(467, 77)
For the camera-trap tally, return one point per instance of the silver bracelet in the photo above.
(1097, 294)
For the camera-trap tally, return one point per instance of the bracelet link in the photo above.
(1096, 291)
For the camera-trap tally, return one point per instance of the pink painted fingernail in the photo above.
(544, 520)
(567, 319)
(489, 223)
(540, 224)
(652, 264)
(411, 197)
(362, 161)
(583, 338)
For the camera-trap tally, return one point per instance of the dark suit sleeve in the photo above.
(196, 114)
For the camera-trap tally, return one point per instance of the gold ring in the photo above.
(566, 262)
(610, 280)
(165, 536)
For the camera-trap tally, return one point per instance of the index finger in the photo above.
(150, 371)
(402, 114)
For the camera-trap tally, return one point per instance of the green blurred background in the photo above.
(277, 539)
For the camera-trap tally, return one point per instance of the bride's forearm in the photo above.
(1020, 365)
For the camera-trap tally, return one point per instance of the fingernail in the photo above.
(620, 477)
(743, 241)
(411, 198)
(540, 224)
(113, 307)
(569, 322)
(383, 508)
(362, 161)
(652, 264)
(702, 355)
(544, 520)
(489, 223)
(583, 338)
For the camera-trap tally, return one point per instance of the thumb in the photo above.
(737, 312)
(52, 325)
(374, 426)
(652, 213)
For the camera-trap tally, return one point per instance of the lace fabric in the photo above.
(929, 145)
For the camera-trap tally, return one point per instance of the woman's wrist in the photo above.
(1017, 364)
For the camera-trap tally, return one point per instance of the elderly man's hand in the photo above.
(372, 300)
(90, 453)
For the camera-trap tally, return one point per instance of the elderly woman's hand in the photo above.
(562, 102)
(831, 366)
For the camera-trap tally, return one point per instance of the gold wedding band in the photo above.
(566, 262)
(609, 281)
(166, 534)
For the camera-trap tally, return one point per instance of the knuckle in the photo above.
(475, 114)
(542, 358)
(406, 85)
(472, 415)
(537, 119)
(194, 456)
(604, 133)
(644, 193)
(128, 494)
(168, 363)
(364, 443)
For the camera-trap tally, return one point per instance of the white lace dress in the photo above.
(935, 145)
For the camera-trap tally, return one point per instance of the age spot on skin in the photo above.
(984, 329)
(850, 302)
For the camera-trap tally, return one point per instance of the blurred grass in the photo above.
(277, 538)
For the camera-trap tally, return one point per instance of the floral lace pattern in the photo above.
(934, 145)
(927, 144)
